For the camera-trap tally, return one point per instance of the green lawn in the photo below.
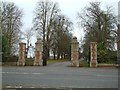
(55, 61)
(83, 63)
(29, 62)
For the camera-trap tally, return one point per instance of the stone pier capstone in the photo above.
(38, 52)
(93, 50)
(22, 54)
(75, 52)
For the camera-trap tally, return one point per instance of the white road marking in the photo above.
(32, 87)
(18, 86)
(8, 86)
(25, 73)
(13, 86)
(22, 73)
(107, 75)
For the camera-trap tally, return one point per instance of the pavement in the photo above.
(58, 75)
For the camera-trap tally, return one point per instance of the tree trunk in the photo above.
(64, 56)
(54, 54)
(58, 55)
(48, 53)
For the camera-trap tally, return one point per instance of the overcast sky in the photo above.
(68, 7)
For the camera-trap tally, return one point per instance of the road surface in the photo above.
(58, 75)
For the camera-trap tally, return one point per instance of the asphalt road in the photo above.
(58, 76)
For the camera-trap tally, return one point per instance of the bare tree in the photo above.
(11, 23)
(27, 35)
(99, 26)
(52, 26)
(62, 36)
(44, 15)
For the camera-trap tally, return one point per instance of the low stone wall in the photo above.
(108, 65)
(9, 64)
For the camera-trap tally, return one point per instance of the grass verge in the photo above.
(56, 61)
(51, 61)
(83, 63)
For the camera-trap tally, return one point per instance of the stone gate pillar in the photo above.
(75, 52)
(93, 54)
(22, 54)
(38, 52)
